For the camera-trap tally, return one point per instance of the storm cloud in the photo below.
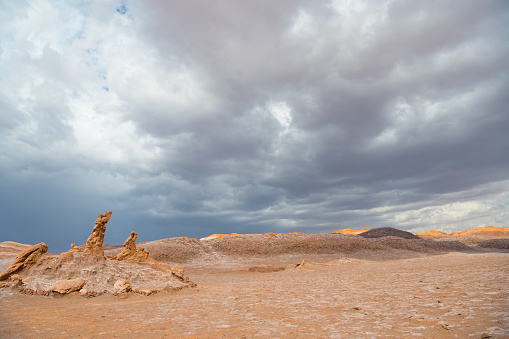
(198, 117)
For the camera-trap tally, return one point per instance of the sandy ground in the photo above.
(455, 295)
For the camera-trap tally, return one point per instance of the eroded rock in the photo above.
(140, 256)
(24, 260)
(95, 240)
(129, 247)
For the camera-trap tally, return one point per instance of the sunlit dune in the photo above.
(215, 236)
(432, 232)
(485, 231)
(350, 231)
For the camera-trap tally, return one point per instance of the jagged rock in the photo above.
(129, 247)
(122, 286)
(141, 255)
(24, 260)
(68, 286)
(95, 240)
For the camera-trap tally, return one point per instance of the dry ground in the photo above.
(455, 295)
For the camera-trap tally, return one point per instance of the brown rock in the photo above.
(95, 240)
(24, 260)
(122, 286)
(68, 286)
(129, 247)
(84, 292)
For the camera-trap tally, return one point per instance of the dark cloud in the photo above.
(252, 116)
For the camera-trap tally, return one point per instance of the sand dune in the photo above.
(490, 231)
(184, 250)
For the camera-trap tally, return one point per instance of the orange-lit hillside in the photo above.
(432, 232)
(215, 236)
(350, 231)
(485, 231)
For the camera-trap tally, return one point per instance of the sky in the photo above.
(188, 118)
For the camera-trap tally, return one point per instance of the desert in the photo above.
(379, 283)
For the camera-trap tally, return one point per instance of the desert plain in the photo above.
(295, 285)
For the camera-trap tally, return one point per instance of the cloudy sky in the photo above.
(187, 118)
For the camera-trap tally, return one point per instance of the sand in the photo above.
(249, 287)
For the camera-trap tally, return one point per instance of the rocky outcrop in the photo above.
(122, 286)
(129, 247)
(68, 286)
(24, 260)
(140, 256)
(95, 240)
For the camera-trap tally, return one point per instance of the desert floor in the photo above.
(455, 295)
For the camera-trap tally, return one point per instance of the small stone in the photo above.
(122, 286)
(84, 292)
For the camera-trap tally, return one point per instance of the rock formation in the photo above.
(141, 255)
(95, 240)
(25, 260)
(71, 270)
(68, 286)
(129, 247)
